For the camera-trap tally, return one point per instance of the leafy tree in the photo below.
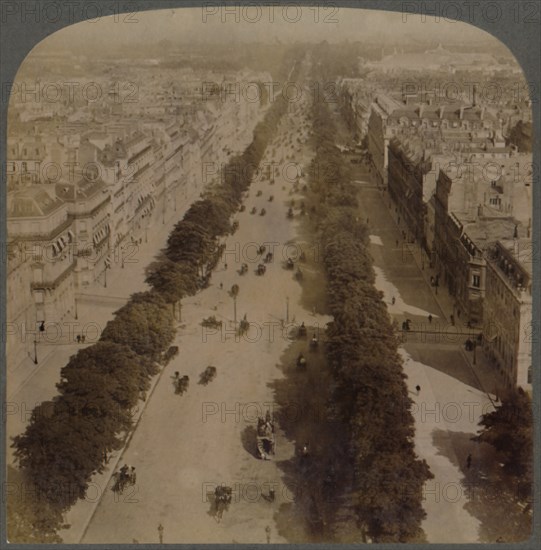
(30, 518)
(110, 370)
(509, 429)
(146, 326)
(190, 243)
(173, 281)
(369, 397)
(63, 445)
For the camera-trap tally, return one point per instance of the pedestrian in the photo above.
(418, 388)
(160, 532)
(452, 318)
(468, 461)
(268, 533)
(432, 281)
(272, 494)
(83, 338)
(430, 318)
(221, 285)
(78, 338)
(225, 266)
(393, 300)
(396, 242)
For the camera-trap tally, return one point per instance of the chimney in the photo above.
(475, 95)
(461, 112)
(482, 112)
(442, 109)
(421, 109)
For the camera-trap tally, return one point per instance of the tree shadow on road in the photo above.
(448, 361)
(301, 399)
(494, 498)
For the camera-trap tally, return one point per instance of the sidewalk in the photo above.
(481, 367)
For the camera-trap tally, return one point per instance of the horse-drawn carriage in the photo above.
(268, 258)
(208, 375)
(261, 268)
(265, 437)
(211, 322)
(181, 383)
(223, 495)
(125, 476)
(243, 269)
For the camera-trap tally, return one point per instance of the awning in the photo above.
(71, 236)
(60, 244)
(55, 250)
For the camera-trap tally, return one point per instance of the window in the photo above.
(476, 281)
(529, 375)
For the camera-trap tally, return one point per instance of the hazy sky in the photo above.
(263, 23)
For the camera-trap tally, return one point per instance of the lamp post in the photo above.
(474, 352)
(234, 293)
(75, 300)
(35, 350)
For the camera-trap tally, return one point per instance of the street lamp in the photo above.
(35, 350)
(234, 293)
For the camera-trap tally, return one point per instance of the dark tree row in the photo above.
(68, 439)
(370, 397)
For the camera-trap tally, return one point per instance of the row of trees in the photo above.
(67, 439)
(370, 397)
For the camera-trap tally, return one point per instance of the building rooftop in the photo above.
(31, 202)
(521, 251)
(81, 190)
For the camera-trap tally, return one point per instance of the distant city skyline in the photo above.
(277, 24)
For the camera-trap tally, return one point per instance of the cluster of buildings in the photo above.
(461, 177)
(88, 178)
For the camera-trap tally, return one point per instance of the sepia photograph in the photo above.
(268, 276)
